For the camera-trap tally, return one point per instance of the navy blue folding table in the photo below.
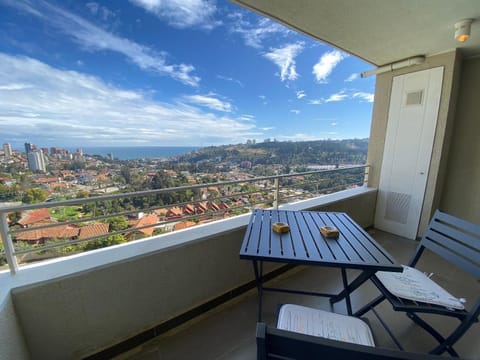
(304, 244)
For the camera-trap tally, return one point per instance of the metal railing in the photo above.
(197, 203)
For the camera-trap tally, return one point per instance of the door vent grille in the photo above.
(414, 98)
(397, 207)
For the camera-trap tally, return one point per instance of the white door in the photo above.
(412, 120)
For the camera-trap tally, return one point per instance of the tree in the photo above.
(81, 194)
(105, 242)
(34, 195)
(118, 223)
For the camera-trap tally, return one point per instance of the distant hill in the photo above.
(324, 152)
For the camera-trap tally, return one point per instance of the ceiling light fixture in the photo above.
(394, 66)
(462, 30)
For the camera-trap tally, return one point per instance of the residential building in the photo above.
(7, 150)
(36, 160)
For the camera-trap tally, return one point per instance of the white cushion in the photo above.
(306, 320)
(413, 284)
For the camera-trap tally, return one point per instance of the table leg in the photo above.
(348, 289)
(258, 270)
(347, 297)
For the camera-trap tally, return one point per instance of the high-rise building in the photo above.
(29, 147)
(7, 150)
(36, 160)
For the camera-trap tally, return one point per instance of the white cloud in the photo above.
(325, 65)
(264, 99)
(284, 58)
(209, 101)
(333, 124)
(93, 7)
(183, 13)
(68, 108)
(15, 86)
(246, 117)
(254, 34)
(300, 94)
(101, 11)
(305, 137)
(352, 77)
(93, 38)
(226, 78)
(295, 111)
(343, 95)
(368, 97)
(340, 96)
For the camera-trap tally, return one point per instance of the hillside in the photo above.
(324, 152)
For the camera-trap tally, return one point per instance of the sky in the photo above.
(170, 73)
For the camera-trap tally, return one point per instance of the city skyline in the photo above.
(154, 73)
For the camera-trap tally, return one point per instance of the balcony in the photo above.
(191, 289)
(88, 303)
(93, 301)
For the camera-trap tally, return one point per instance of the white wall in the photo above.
(461, 193)
(12, 343)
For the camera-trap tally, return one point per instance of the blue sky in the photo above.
(170, 72)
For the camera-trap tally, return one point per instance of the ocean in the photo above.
(136, 152)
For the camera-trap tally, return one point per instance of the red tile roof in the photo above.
(46, 180)
(58, 232)
(149, 219)
(34, 216)
(161, 212)
(189, 209)
(184, 225)
(92, 230)
(174, 212)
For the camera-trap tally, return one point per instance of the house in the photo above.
(34, 217)
(189, 209)
(183, 225)
(93, 230)
(174, 212)
(161, 213)
(35, 237)
(142, 227)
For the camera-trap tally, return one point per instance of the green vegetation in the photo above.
(288, 154)
(101, 243)
(66, 213)
(34, 195)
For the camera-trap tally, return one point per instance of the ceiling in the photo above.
(378, 31)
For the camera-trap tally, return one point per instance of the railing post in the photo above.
(365, 177)
(276, 193)
(8, 244)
